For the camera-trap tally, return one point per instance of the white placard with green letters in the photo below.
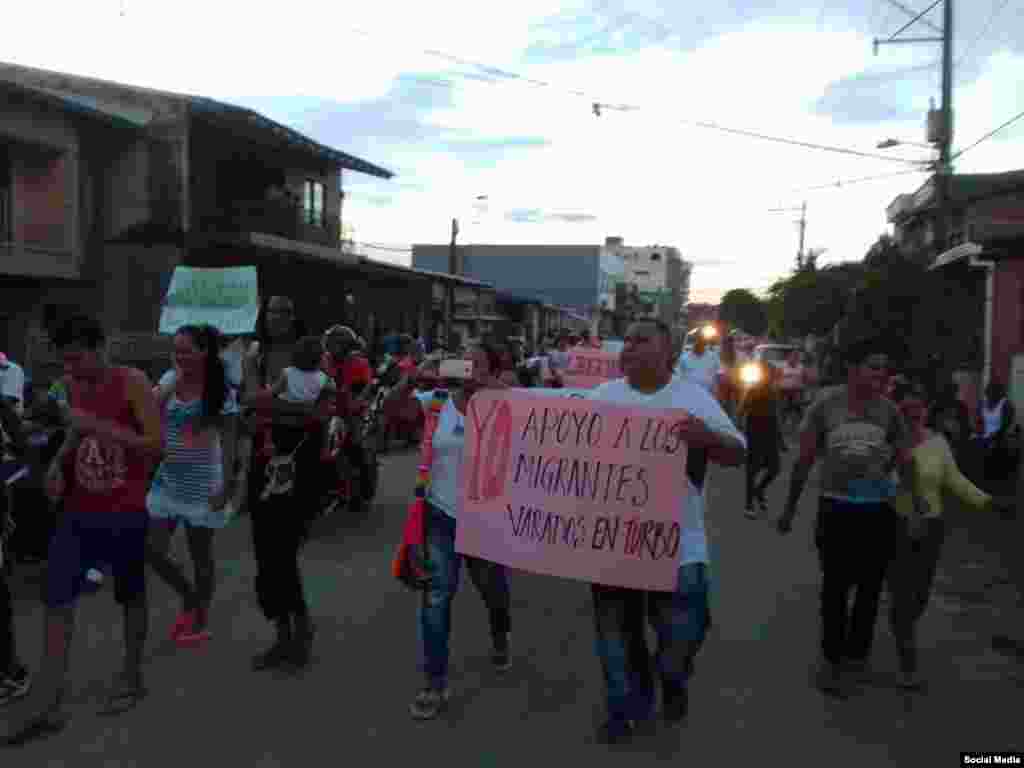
(227, 299)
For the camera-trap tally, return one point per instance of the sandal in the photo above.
(124, 698)
(40, 726)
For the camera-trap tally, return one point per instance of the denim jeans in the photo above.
(680, 620)
(490, 580)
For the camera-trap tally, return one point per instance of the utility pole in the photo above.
(944, 139)
(802, 222)
(803, 232)
(452, 270)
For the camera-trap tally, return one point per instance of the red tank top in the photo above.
(104, 476)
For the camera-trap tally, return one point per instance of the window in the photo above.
(655, 257)
(313, 203)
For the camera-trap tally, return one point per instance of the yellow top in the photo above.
(935, 470)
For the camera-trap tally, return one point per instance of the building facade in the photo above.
(658, 277)
(563, 281)
(983, 254)
(106, 188)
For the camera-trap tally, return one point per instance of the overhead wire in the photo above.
(863, 179)
(498, 75)
(990, 134)
(998, 6)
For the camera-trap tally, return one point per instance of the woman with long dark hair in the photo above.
(281, 520)
(194, 482)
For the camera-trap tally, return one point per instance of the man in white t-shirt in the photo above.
(680, 619)
(701, 365)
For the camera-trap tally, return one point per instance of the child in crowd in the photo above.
(301, 383)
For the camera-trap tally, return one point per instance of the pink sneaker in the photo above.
(194, 638)
(183, 624)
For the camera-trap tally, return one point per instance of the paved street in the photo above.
(751, 697)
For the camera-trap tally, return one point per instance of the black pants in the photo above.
(280, 525)
(856, 543)
(8, 657)
(911, 576)
(763, 466)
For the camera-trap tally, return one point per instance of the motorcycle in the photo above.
(356, 486)
(402, 418)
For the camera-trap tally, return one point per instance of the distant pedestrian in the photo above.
(760, 416)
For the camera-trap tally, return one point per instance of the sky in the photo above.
(463, 100)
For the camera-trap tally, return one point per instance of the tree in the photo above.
(742, 309)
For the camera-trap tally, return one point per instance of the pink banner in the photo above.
(573, 488)
(590, 367)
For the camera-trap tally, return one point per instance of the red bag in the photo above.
(414, 532)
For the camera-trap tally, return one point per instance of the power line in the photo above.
(990, 134)
(997, 8)
(498, 76)
(849, 182)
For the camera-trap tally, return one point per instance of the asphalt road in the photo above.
(751, 698)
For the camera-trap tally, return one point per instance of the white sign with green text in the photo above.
(227, 299)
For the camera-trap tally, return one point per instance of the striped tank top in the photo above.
(192, 469)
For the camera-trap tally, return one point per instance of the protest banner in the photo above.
(573, 487)
(552, 392)
(590, 367)
(227, 299)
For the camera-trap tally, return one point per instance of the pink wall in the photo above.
(1007, 316)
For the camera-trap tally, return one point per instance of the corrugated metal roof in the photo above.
(139, 116)
(83, 105)
(427, 273)
(224, 111)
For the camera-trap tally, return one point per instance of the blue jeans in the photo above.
(680, 620)
(490, 580)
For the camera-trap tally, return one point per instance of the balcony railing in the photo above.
(271, 217)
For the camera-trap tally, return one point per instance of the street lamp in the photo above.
(890, 143)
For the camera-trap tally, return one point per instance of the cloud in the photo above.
(452, 130)
(538, 216)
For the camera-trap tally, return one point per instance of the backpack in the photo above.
(281, 473)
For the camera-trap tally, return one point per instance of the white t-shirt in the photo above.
(701, 369)
(685, 394)
(303, 386)
(448, 445)
(12, 384)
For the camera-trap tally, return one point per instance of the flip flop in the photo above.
(122, 699)
(40, 727)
